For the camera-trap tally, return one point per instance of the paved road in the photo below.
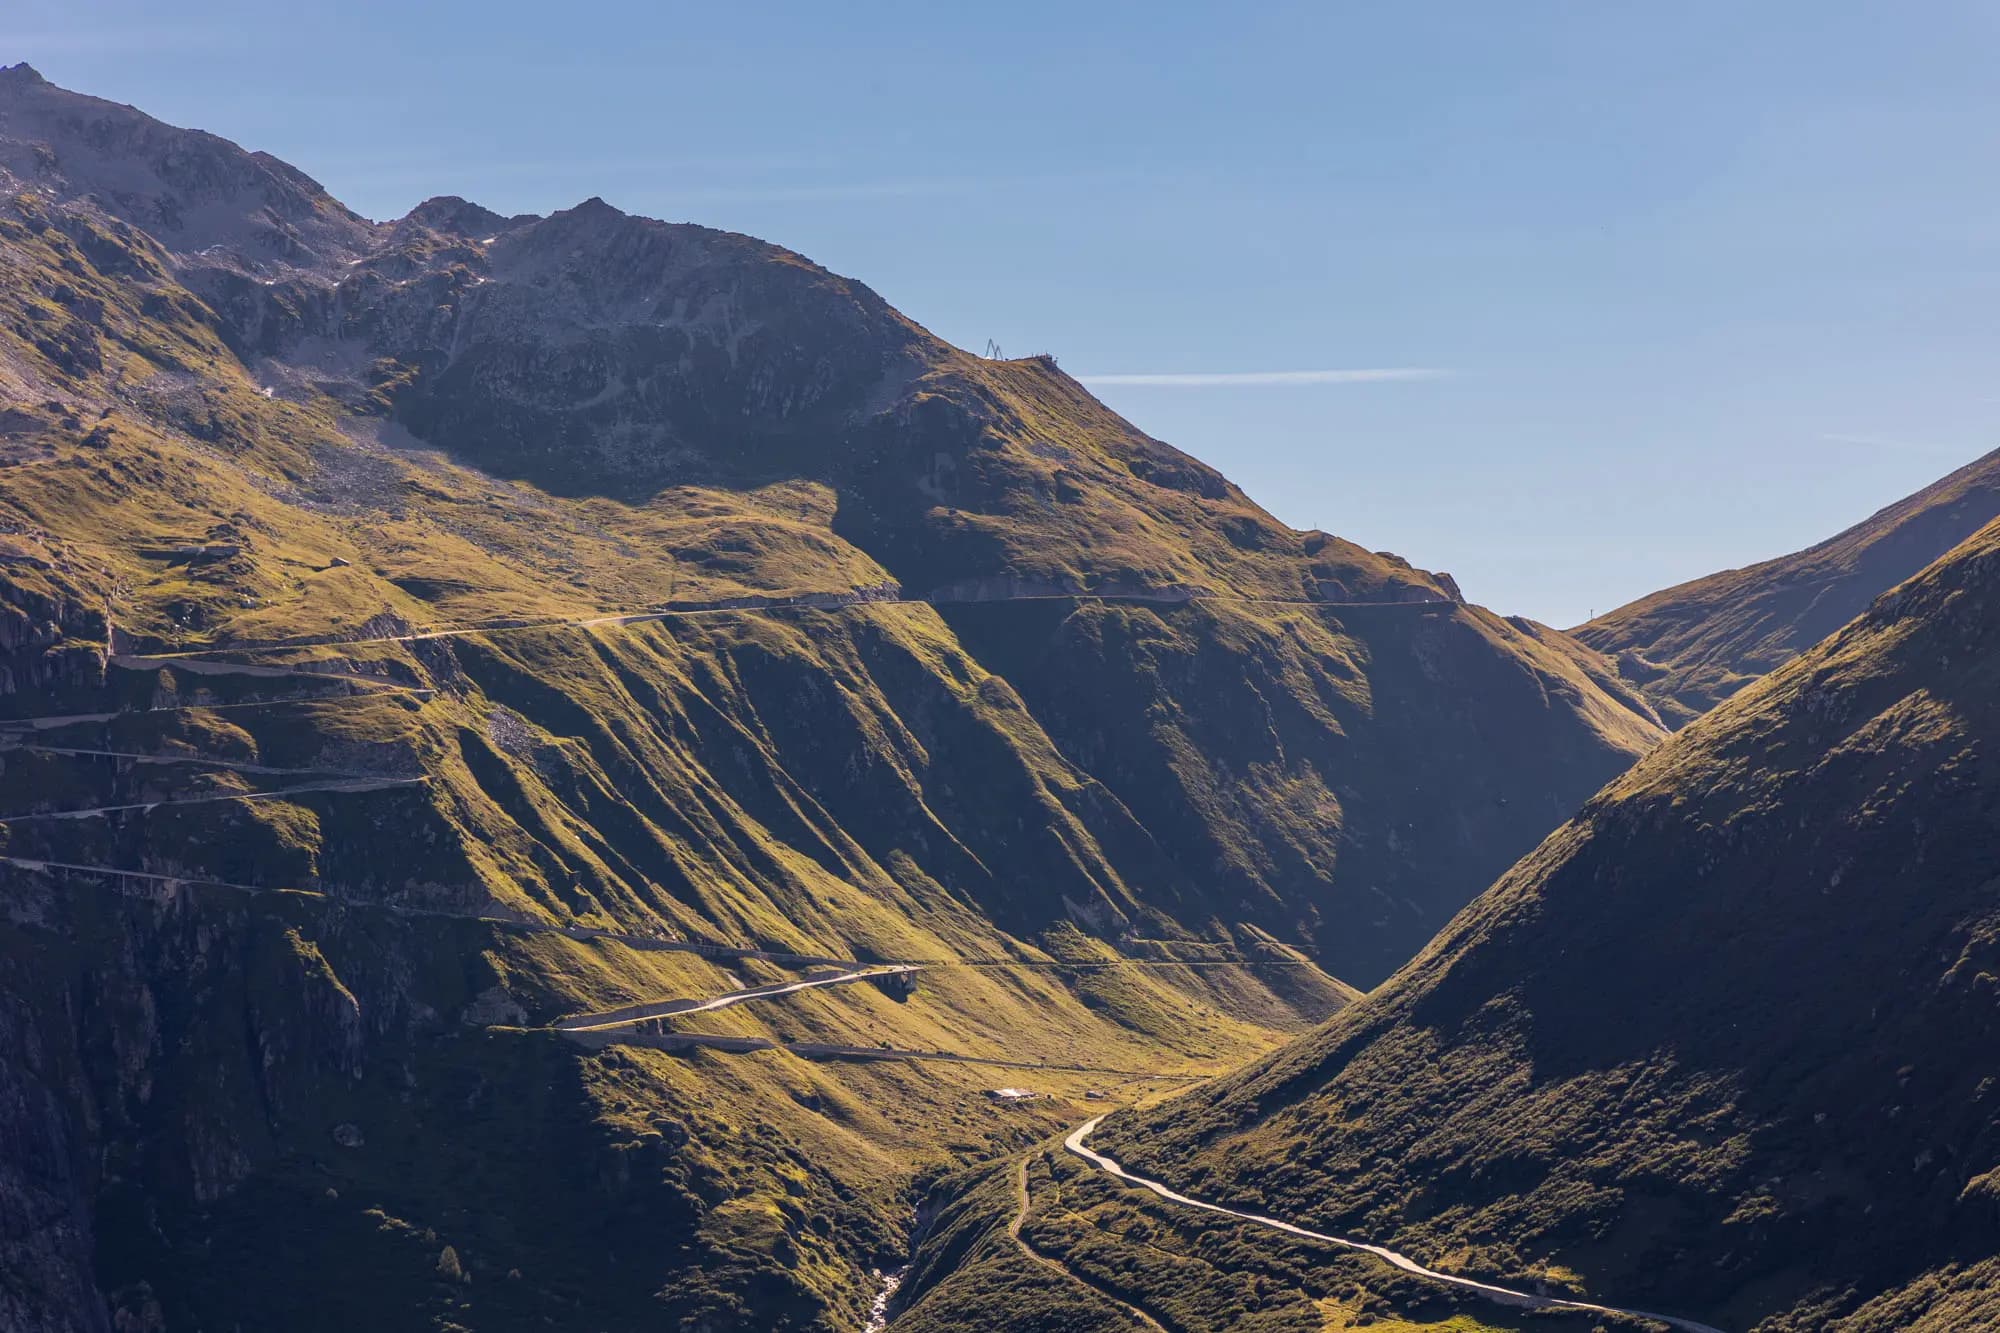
(835, 601)
(170, 760)
(511, 924)
(1061, 1269)
(52, 721)
(1499, 1295)
(650, 1009)
(681, 1041)
(205, 665)
(726, 952)
(282, 793)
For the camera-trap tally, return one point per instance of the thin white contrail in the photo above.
(1232, 378)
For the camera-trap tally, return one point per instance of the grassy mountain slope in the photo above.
(1689, 647)
(1722, 1044)
(1087, 1247)
(251, 442)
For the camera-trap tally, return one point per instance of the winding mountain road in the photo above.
(281, 793)
(206, 665)
(10, 746)
(1525, 1300)
(818, 1050)
(51, 721)
(826, 601)
(639, 1013)
(1060, 1269)
(513, 925)
(726, 952)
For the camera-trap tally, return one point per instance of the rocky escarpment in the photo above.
(47, 1241)
(203, 1105)
(55, 630)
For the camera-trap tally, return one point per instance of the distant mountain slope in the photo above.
(287, 493)
(1723, 1045)
(1690, 647)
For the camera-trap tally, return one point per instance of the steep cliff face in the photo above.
(369, 508)
(1689, 647)
(55, 628)
(1721, 1045)
(248, 1115)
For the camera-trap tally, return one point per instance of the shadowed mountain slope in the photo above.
(1722, 1045)
(285, 489)
(1690, 647)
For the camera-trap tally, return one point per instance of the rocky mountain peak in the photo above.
(603, 232)
(454, 216)
(193, 192)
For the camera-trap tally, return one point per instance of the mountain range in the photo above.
(337, 751)
(586, 772)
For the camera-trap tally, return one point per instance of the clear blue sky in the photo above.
(1707, 281)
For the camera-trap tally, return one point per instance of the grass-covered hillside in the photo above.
(389, 667)
(1047, 1242)
(1722, 1046)
(1689, 647)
